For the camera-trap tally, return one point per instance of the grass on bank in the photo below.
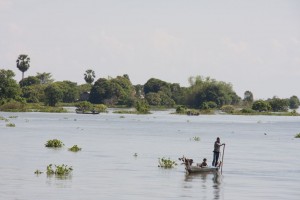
(15, 106)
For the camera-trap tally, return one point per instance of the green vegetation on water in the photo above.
(60, 170)
(166, 163)
(55, 143)
(10, 125)
(297, 135)
(74, 148)
(196, 138)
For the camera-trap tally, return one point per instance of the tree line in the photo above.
(203, 93)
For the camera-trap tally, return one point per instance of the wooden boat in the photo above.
(190, 168)
(86, 112)
(197, 169)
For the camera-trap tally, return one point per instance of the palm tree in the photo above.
(89, 76)
(23, 63)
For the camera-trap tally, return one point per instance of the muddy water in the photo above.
(261, 159)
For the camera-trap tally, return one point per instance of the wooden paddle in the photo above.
(222, 158)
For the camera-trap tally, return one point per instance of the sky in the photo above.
(252, 44)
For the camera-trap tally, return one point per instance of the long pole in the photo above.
(222, 158)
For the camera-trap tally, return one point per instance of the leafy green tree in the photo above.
(279, 105)
(139, 91)
(100, 91)
(9, 88)
(45, 78)
(30, 80)
(112, 91)
(53, 94)
(89, 76)
(166, 100)
(69, 90)
(153, 98)
(294, 102)
(261, 106)
(23, 63)
(34, 93)
(248, 97)
(156, 85)
(177, 93)
(209, 105)
(206, 89)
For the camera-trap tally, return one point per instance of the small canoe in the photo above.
(190, 168)
(196, 169)
(86, 112)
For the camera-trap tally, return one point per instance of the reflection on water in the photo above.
(210, 182)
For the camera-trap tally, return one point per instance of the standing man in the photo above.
(217, 151)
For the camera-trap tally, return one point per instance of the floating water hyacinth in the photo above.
(59, 170)
(55, 143)
(75, 148)
(166, 163)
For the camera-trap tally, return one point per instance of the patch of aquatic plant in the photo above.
(292, 113)
(4, 119)
(297, 135)
(60, 170)
(13, 117)
(122, 116)
(55, 143)
(166, 163)
(38, 172)
(75, 148)
(10, 125)
(125, 112)
(196, 138)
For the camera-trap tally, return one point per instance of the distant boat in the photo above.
(86, 112)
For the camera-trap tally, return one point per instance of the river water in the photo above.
(261, 159)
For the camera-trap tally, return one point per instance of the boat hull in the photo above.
(196, 169)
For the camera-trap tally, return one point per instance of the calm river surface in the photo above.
(261, 159)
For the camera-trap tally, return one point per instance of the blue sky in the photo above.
(254, 45)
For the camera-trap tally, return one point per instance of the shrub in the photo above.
(55, 143)
(247, 110)
(181, 109)
(166, 163)
(142, 107)
(13, 106)
(297, 135)
(75, 148)
(227, 108)
(100, 108)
